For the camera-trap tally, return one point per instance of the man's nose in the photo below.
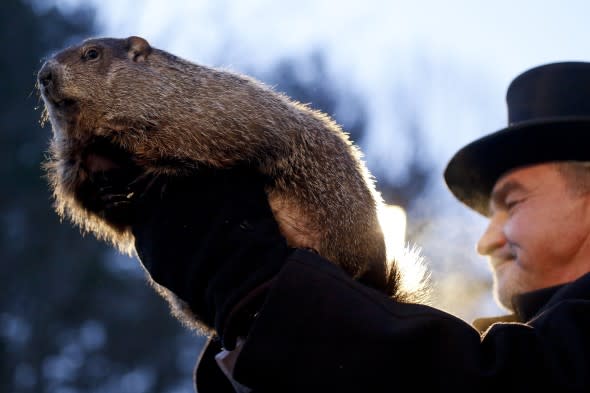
(493, 237)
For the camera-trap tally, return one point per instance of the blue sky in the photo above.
(455, 57)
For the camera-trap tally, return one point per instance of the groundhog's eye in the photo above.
(90, 54)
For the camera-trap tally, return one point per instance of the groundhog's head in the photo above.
(115, 87)
(81, 87)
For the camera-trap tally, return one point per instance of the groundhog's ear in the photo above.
(138, 49)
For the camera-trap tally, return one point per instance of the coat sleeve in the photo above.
(320, 331)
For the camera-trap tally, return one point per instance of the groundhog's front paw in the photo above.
(110, 195)
(112, 199)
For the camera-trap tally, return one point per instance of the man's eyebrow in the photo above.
(499, 194)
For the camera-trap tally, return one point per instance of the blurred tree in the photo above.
(75, 316)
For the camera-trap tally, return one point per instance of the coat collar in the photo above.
(528, 305)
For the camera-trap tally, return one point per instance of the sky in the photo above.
(455, 59)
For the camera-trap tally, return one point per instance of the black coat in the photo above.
(320, 331)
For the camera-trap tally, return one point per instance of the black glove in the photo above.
(213, 241)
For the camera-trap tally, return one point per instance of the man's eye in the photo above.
(512, 203)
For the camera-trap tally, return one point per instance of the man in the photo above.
(290, 321)
(531, 181)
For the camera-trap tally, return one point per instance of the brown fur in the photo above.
(172, 116)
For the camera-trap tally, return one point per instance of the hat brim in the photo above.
(472, 171)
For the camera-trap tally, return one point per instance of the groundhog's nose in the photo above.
(45, 75)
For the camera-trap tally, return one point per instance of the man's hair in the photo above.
(576, 174)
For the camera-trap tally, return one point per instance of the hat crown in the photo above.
(550, 91)
(549, 121)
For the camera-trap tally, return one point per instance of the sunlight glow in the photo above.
(415, 275)
(393, 224)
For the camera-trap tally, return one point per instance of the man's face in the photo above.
(539, 232)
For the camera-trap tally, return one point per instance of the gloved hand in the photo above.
(213, 241)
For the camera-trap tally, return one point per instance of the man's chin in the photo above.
(503, 300)
(504, 288)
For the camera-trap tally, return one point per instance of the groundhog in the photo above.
(120, 102)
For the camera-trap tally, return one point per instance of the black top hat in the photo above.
(548, 120)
